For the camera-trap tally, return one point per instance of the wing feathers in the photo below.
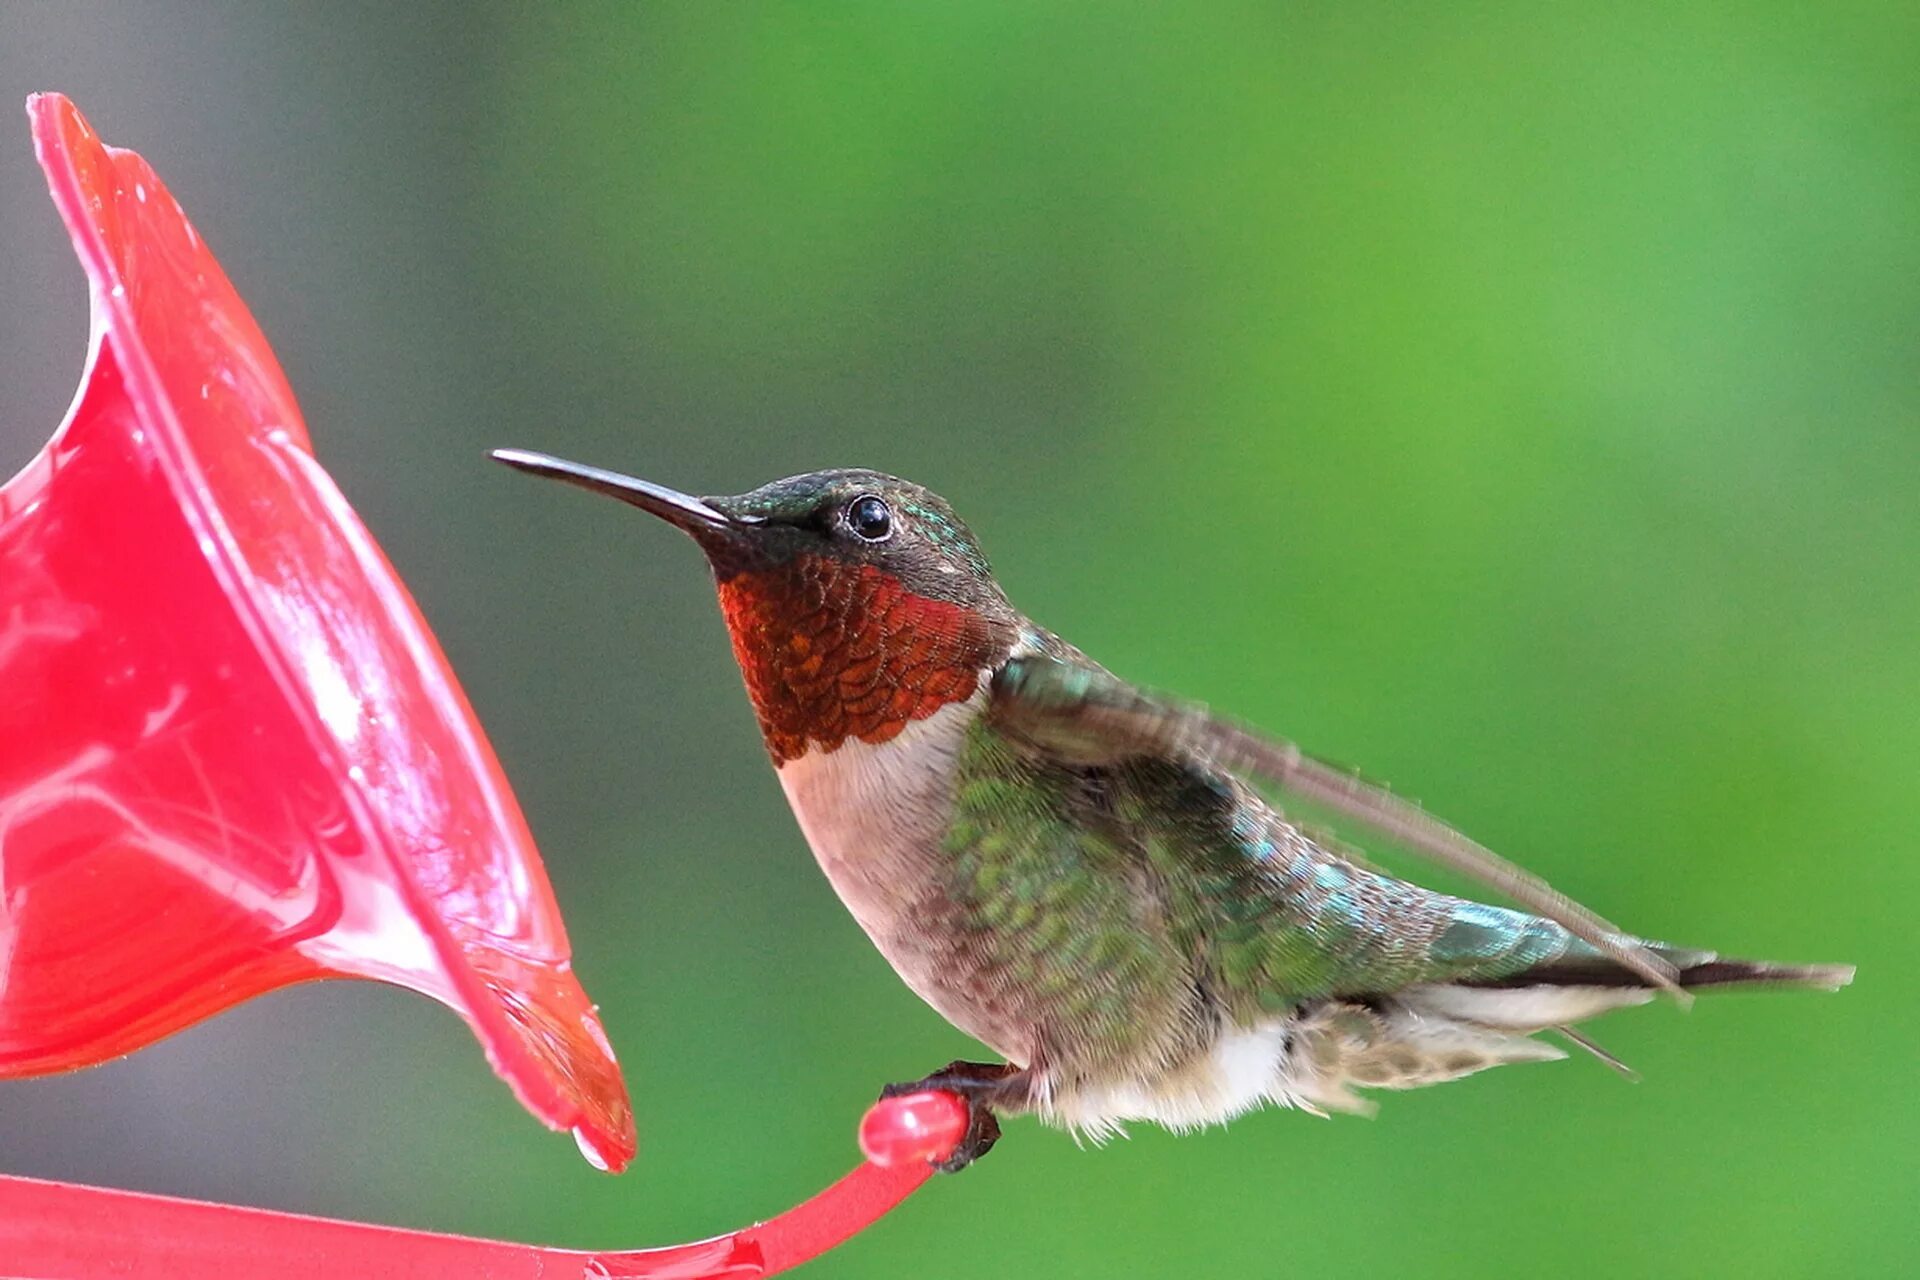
(1085, 713)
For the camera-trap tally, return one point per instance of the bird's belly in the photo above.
(1238, 1070)
(875, 816)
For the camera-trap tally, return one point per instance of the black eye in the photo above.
(870, 518)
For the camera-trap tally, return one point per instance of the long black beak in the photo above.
(676, 508)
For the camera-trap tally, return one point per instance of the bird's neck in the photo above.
(834, 650)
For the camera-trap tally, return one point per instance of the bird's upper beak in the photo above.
(694, 515)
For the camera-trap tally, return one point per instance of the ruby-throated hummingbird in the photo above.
(1082, 875)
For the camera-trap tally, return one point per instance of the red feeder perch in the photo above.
(232, 757)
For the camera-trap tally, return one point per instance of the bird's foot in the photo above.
(982, 1086)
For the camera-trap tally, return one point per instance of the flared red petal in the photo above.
(232, 755)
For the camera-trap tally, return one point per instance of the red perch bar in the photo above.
(53, 1231)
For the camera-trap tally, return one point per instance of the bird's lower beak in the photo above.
(676, 508)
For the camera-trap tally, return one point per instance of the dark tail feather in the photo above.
(1760, 973)
(1693, 968)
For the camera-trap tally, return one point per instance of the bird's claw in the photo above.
(976, 1084)
(983, 1130)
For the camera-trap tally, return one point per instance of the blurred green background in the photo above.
(1521, 401)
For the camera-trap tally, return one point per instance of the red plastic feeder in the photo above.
(232, 757)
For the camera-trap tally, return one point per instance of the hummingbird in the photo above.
(1096, 880)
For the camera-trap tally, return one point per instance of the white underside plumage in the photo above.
(874, 815)
(1315, 1058)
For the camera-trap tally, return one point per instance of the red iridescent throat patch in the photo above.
(832, 651)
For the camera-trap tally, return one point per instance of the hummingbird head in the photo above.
(857, 602)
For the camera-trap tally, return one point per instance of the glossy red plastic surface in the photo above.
(232, 756)
(925, 1127)
(53, 1231)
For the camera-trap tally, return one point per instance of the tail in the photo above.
(1694, 970)
(1430, 1033)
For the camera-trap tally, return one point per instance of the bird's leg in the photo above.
(982, 1086)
